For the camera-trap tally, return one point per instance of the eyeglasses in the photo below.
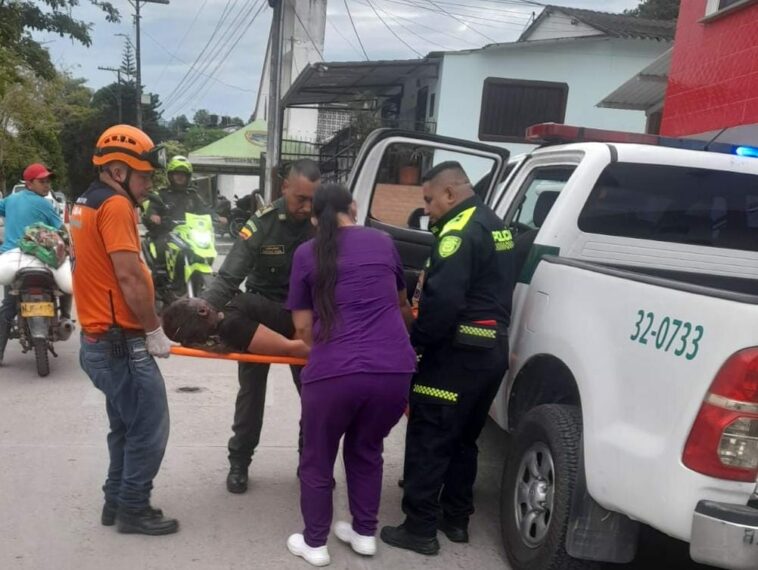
(156, 156)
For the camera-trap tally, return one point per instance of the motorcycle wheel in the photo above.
(41, 356)
(235, 227)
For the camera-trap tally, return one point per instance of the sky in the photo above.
(176, 35)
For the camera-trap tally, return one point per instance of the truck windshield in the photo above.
(677, 204)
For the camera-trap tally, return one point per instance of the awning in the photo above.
(643, 91)
(342, 83)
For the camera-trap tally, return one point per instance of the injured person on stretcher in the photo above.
(248, 323)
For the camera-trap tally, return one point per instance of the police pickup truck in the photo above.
(632, 393)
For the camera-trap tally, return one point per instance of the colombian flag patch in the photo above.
(248, 229)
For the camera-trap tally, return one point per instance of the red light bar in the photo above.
(554, 133)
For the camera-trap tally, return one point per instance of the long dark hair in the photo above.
(329, 200)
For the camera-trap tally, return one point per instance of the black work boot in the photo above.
(399, 537)
(455, 532)
(144, 521)
(236, 481)
(108, 518)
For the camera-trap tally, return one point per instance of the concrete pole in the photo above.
(274, 115)
(138, 55)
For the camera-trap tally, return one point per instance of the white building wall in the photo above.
(592, 69)
(300, 47)
(231, 184)
(558, 25)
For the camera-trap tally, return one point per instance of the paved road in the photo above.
(52, 444)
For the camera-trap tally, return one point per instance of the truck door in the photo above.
(386, 185)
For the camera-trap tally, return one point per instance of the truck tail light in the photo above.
(723, 442)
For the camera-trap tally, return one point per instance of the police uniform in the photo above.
(172, 203)
(262, 254)
(461, 334)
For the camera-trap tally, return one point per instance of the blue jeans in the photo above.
(135, 399)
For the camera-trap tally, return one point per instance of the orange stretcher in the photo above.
(239, 356)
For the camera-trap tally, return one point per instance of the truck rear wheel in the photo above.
(538, 482)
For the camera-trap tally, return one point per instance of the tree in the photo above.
(19, 49)
(179, 125)
(656, 10)
(202, 118)
(198, 137)
(128, 66)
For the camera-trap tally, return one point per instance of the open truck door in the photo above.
(386, 184)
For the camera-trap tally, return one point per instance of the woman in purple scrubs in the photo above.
(348, 301)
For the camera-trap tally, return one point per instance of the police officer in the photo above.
(461, 334)
(263, 253)
(172, 203)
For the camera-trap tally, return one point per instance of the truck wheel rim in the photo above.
(534, 494)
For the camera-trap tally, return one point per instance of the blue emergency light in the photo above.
(749, 151)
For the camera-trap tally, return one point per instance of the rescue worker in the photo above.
(461, 335)
(120, 331)
(263, 253)
(21, 210)
(172, 203)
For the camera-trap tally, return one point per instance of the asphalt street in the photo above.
(54, 458)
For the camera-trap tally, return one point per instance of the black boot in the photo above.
(400, 537)
(144, 521)
(236, 481)
(108, 518)
(455, 532)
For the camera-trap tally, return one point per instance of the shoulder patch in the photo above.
(248, 229)
(449, 245)
(503, 240)
(96, 196)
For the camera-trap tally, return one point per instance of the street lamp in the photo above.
(136, 4)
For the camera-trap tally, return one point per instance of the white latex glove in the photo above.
(158, 344)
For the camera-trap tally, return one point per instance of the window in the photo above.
(509, 106)
(674, 204)
(398, 197)
(715, 9)
(538, 194)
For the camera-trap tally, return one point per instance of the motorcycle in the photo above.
(189, 254)
(38, 325)
(223, 211)
(240, 214)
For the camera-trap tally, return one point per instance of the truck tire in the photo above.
(536, 490)
(40, 355)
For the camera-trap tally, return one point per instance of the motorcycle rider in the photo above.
(21, 210)
(172, 203)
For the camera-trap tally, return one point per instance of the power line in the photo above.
(349, 15)
(461, 21)
(418, 53)
(224, 59)
(181, 42)
(164, 48)
(435, 30)
(219, 23)
(336, 29)
(222, 41)
(410, 31)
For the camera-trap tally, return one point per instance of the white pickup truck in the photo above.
(632, 392)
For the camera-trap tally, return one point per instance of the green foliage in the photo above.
(656, 10)
(18, 48)
(198, 137)
(173, 148)
(128, 62)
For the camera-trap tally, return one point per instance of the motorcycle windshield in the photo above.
(197, 231)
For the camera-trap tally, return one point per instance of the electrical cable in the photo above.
(469, 26)
(307, 33)
(336, 29)
(224, 59)
(406, 44)
(219, 23)
(181, 43)
(349, 15)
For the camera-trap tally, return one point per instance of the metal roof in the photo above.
(615, 25)
(344, 82)
(644, 90)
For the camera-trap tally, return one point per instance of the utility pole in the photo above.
(274, 115)
(118, 76)
(136, 5)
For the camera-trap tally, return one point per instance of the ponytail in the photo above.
(329, 201)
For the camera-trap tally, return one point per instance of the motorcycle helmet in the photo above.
(131, 146)
(179, 164)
